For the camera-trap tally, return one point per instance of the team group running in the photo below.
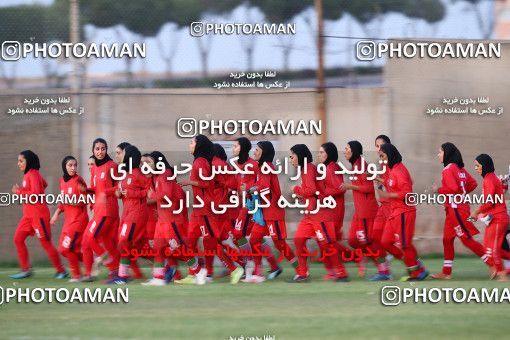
(382, 225)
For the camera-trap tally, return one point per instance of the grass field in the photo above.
(316, 310)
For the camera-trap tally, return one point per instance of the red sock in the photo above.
(21, 248)
(210, 245)
(52, 254)
(137, 273)
(74, 265)
(270, 259)
(256, 246)
(449, 254)
(410, 261)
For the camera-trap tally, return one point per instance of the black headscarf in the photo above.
(385, 138)
(394, 157)
(486, 163)
(106, 158)
(32, 160)
(451, 155)
(132, 153)
(331, 151)
(219, 152)
(244, 154)
(356, 150)
(267, 152)
(203, 148)
(66, 159)
(302, 152)
(157, 156)
(123, 145)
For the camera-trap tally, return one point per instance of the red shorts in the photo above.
(400, 229)
(72, 233)
(383, 213)
(70, 240)
(170, 233)
(276, 229)
(455, 224)
(102, 226)
(131, 231)
(38, 225)
(361, 229)
(324, 232)
(203, 225)
(243, 224)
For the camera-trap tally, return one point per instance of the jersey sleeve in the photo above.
(308, 186)
(449, 184)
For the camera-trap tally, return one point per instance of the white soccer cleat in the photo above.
(74, 280)
(254, 279)
(249, 268)
(201, 277)
(154, 282)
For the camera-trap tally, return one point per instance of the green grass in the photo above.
(316, 310)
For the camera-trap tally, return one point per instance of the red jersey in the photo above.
(308, 190)
(385, 176)
(223, 184)
(165, 191)
(365, 204)
(271, 182)
(205, 188)
(493, 188)
(456, 181)
(250, 179)
(401, 183)
(330, 186)
(71, 188)
(104, 186)
(33, 183)
(135, 201)
(152, 209)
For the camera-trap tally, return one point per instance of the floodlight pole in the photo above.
(321, 84)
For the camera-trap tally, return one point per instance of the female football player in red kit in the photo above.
(455, 180)
(170, 236)
(91, 163)
(330, 186)
(400, 226)
(120, 151)
(383, 212)
(98, 249)
(203, 222)
(493, 212)
(133, 192)
(319, 225)
(243, 222)
(223, 185)
(35, 219)
(75, 216)
(152, 208)
(274, 217)
(105, 214)
(365, 210)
